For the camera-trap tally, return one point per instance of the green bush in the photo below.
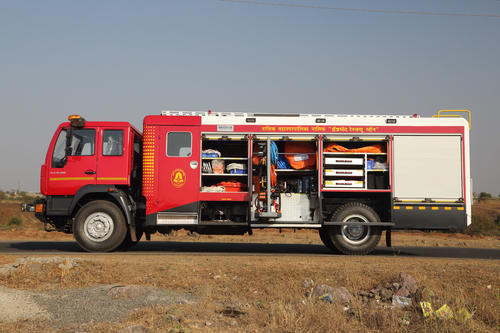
(15, 222)
(484, 195)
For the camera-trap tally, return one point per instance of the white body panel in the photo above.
(428, 166)
(176, 219)
(295, 207)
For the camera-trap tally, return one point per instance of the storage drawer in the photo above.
(344, 172)
(344, 161)
(344, 183)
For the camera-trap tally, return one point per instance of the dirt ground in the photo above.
(241, 293)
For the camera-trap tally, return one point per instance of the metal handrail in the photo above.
(439, 115)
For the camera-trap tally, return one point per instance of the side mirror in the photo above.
(61, 163)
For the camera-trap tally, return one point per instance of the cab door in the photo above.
(67, 174)
(114, 158)
(179, 173)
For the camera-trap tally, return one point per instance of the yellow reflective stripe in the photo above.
(111, 178)
(418, 201)
(425, 207)
(72, 178)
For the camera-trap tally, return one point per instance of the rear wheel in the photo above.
(324, 236)
(354, 239)
(99, 227)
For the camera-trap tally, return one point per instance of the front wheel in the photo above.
(128, 243)
(99, 227)
(355, 239)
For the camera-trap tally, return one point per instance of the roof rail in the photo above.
(445, 113)
(203, 113)
(244, 114)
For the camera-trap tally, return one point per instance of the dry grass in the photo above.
(269, 292)
(31, 228)
(485, 218)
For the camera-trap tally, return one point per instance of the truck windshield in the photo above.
(82, 144)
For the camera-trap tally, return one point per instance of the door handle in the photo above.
(90, 172)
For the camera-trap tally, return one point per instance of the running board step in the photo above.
(369, 224)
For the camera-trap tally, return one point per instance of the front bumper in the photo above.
(39, 207)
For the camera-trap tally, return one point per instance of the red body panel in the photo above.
(178, 182)
(228, 196)
(332, 130)
(170, 182)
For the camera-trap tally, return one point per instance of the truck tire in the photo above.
(355, 239)
(128, 243)
(99, 226)
(324, 236)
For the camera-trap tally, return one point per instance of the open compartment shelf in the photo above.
(225, 165)
(355, 164)
(297, 165)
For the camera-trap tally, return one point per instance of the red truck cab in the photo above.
(101, 153)
(88, 161)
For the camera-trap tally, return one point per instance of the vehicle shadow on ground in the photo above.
(208, 248)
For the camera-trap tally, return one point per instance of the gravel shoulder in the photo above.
(61, 306)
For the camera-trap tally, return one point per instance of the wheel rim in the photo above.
(98, 227)
(355, 234)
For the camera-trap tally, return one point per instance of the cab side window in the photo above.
(82, 144)
(59, 150)
(178, 144)
(112, 143)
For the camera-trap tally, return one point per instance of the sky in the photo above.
(123, 60)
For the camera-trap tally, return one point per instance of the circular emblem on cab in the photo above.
(178, 178)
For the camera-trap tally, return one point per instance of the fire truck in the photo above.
(350, 177)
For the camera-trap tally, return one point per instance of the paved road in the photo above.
(204, 248)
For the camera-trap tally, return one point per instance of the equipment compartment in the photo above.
(224, 164)
(358, 163)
